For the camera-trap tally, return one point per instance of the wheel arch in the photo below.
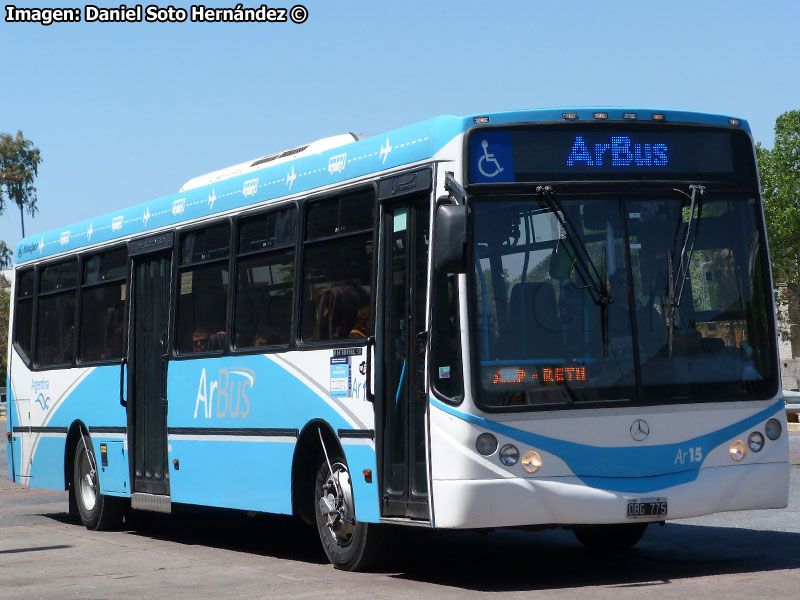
(307, 454)
(73, 437)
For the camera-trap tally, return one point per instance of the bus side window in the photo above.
(23, 315)
(203, 290)
(265, 279)
(102, 324)
(55, 329)
(337, 268)
(445, 366)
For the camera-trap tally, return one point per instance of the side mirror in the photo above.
(450, 239)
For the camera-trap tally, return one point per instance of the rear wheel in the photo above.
(610, 538)
(350, 545)
(96, 510)
(74, 514)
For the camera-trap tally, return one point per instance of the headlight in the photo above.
(486, 444)
(755, 441)
(773, 429)
(738, 450)
(531, 461)
(509, 455)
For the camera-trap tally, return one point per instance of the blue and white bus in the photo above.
(518, 319)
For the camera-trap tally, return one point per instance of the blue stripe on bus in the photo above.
(627, 468)
(406, 145)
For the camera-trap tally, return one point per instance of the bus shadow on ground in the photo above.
(260, 534)
(554, 559)
(502, 560)
(277, 536)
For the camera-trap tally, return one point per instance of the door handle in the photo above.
(370, 345)
(164, 369)
(122, 372)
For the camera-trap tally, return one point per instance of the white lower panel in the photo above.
(567, 500)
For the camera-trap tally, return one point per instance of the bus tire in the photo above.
(96, 511)
(72, 504)
(610, 538)
(349, 544)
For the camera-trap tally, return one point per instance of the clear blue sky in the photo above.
(124, 113)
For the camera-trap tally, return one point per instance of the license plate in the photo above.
(643, 508)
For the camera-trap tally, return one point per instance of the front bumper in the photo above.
(518, 501)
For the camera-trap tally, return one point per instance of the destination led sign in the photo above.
(610, 152)
(619, 151)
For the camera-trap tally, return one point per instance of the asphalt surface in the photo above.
(203, 553)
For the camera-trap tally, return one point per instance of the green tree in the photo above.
(780, 187)
(19, 158)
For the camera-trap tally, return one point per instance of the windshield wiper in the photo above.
(588, 271)
(678, 279)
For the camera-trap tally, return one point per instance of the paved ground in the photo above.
(225, 554)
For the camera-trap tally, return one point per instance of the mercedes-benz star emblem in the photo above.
(640, 430)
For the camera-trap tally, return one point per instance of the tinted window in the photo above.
(25, 284)
(337, 286)
(343, 215)
(203, 290)
(23, 313)
(58, 277)
(105, 267)
(55, 327)
(206, 244)
(102, 330)
(337, 273)
(269, 231)
(265, 279)
(264, 291)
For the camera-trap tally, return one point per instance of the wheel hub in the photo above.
(88, 483)
(336, 504)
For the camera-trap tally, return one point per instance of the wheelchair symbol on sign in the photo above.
(488, 157)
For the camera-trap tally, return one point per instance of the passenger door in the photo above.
(405, 230)
(147, 356)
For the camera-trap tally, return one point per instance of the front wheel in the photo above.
(350, 545)
(610, 538)
(96, 510)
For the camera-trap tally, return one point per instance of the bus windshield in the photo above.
(643, 298)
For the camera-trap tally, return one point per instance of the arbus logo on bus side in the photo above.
(225, 396)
